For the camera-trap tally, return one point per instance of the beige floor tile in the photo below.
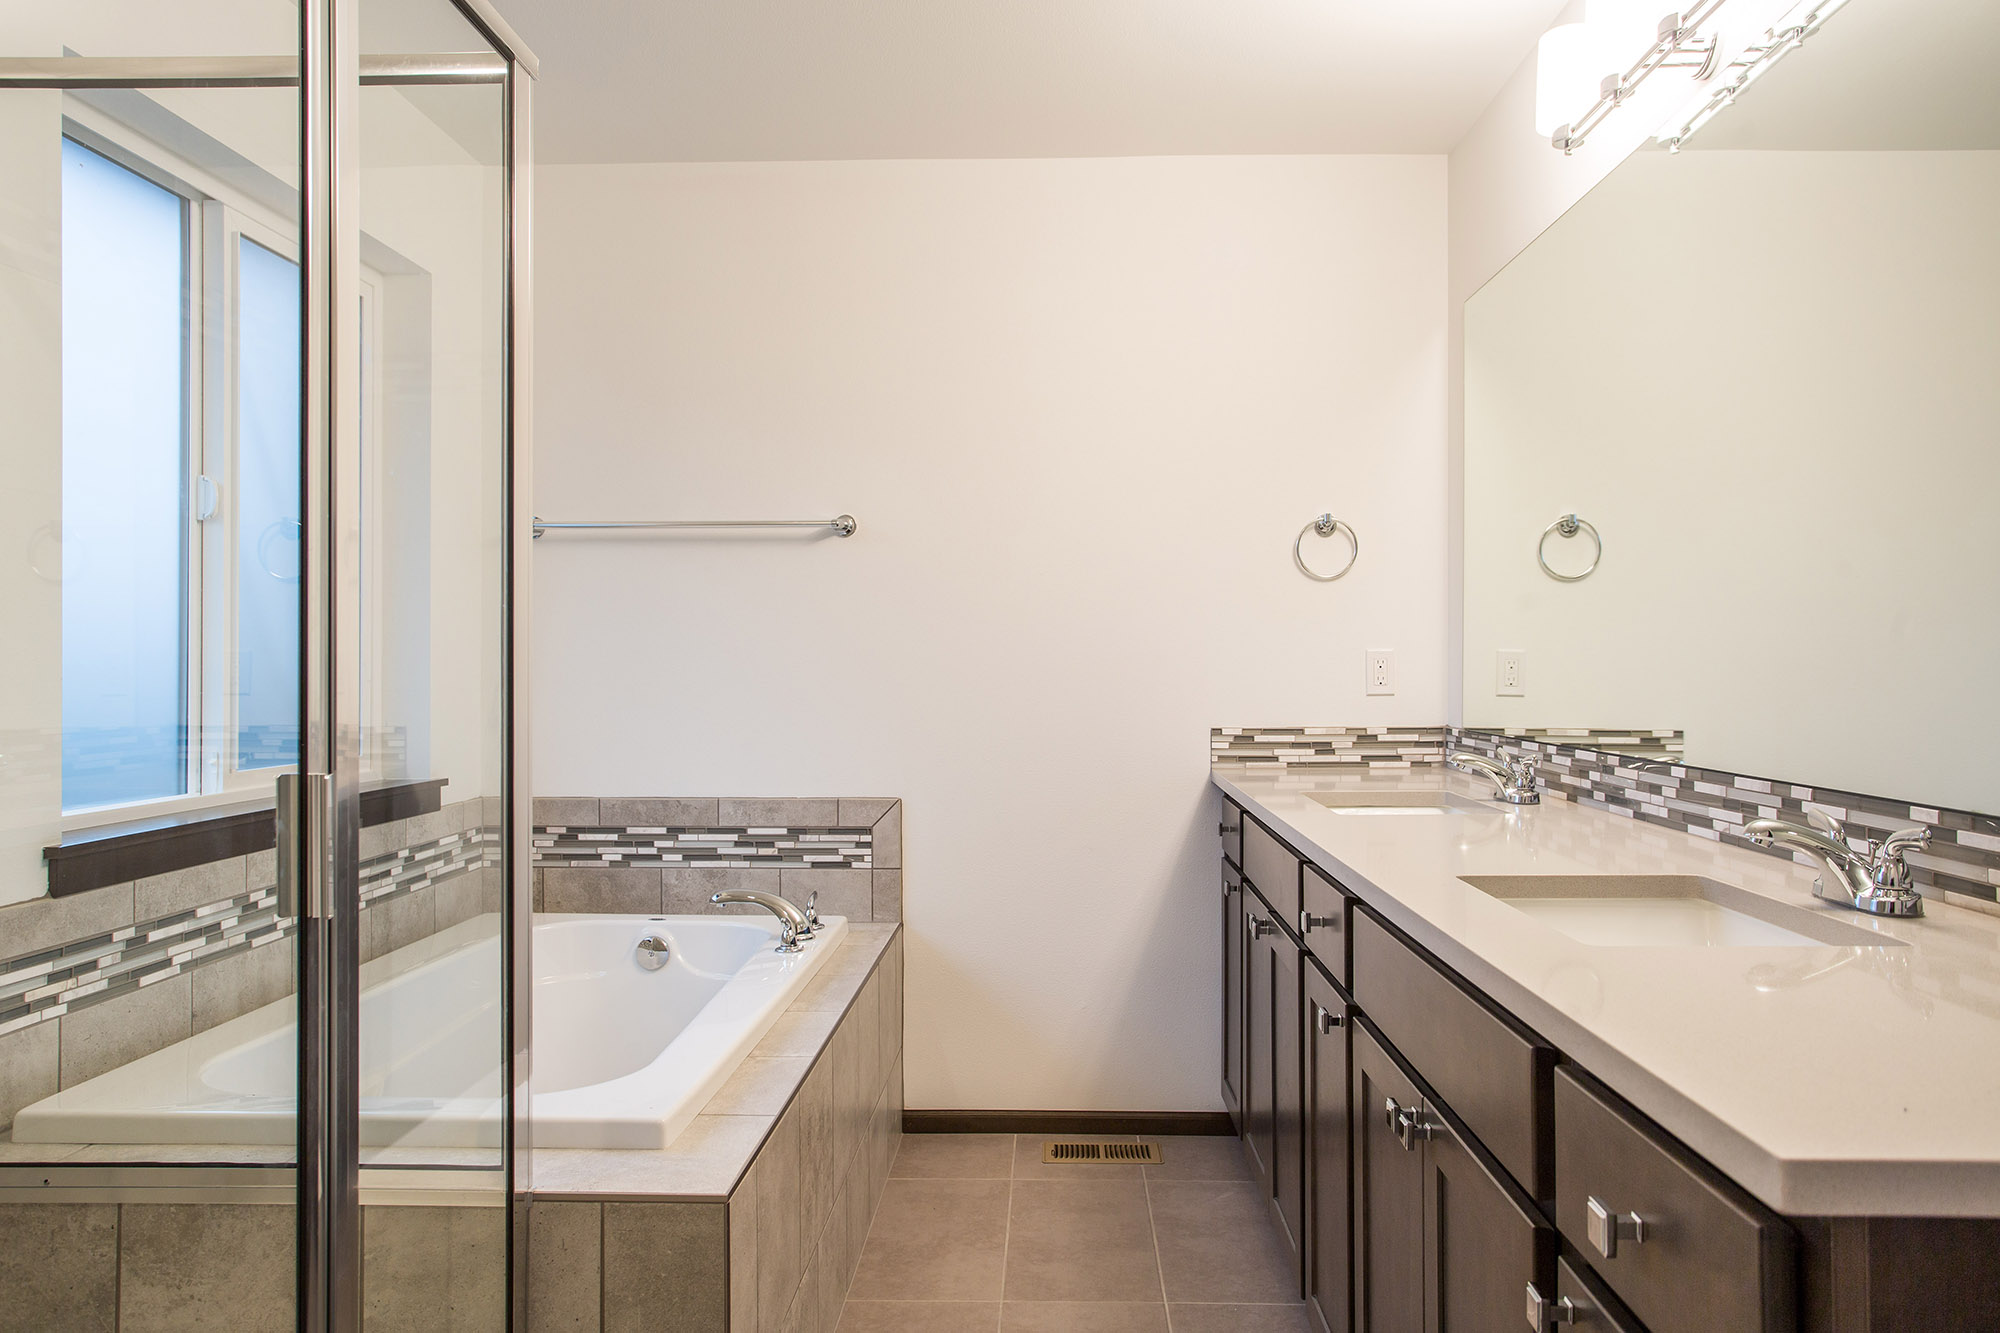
(1082, 1317)
(935, 1240)
(1028, 1163)
(1240, 1319)
(955, 1157)
(1189, 1216)
(1192, 1157)
(1081, 1241)
(920, 1317)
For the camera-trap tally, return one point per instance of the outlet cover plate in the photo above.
(1510, 673)
(1380, 671)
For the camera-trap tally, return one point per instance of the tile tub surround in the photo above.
(669, 854)
(97, 979)
(752, 1219)
(1961, 866)
(1721, 1047)
(75, 1266)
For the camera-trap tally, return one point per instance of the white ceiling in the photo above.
(748, 80)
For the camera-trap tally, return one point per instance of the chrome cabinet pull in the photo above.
(1407, 1123)
(1229, 886)
(1224, 830)
(1544, 1314)
(1308, 923)
(1605, 1228)
(1328, 1021)
(1259, 927)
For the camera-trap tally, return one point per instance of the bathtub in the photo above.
(624, 1057)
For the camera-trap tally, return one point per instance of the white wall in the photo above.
(1080, 408)
(1788, 447)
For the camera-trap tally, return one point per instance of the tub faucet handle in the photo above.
(812, 913)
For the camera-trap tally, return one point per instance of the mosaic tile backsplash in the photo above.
(1377, 747)
(1962, 863)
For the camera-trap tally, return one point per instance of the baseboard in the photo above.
(1068, 1122)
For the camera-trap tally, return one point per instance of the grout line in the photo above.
(1007, 1234)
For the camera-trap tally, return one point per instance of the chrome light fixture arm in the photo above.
(1678, 45)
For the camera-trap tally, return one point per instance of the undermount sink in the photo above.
(1396, 803)
(1668, 912)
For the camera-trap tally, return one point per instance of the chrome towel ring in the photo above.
(1325, 525)
(1568, 526)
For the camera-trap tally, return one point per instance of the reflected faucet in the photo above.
(1875, 881)
(1516, 779)
(789, 917)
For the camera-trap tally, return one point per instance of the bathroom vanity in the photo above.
(1542, 1066)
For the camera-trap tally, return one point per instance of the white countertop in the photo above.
(1826, 1080)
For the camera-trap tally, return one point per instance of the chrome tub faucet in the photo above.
(1515, 779)
(1875, 880)
(796, 929)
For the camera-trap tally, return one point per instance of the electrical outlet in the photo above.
(1513, 673)
(1381, 671)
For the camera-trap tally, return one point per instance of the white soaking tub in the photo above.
(624, 1057)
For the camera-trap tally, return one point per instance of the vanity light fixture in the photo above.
(1783, 38)
(1599, 44)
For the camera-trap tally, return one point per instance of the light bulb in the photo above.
(1566, 76)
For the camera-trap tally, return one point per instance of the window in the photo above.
(181, 481)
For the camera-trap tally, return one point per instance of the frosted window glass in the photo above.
(267, 507)
(124, 332)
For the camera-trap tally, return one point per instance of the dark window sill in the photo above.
(117, 853)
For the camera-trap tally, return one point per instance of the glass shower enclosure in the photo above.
(264, 916)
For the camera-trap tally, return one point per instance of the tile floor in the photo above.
(976, 1235)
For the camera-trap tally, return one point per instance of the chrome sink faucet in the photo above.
(1875, 880)
(791, 918)
(1516, 779)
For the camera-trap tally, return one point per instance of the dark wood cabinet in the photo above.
(1259, 993)
(1443, 1239)
(1288, 1129)
(1388, 1192)
(1233, 899)
(1329, 1292)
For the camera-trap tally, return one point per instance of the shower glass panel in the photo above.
(150, 364)
(262, 908)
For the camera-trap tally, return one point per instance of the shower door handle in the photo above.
(305, 844)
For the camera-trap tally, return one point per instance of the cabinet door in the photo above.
(1388, 1194)
(1258, 1057)
(1288, 1169)
(1483, 1245)
(1232, 994)
(1328, 1289)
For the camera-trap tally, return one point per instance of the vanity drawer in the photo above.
(1591, 1308)
(1323, 921)
(1270, 865)
(1492, 1074)
(1711, 1257)
(1230, 830)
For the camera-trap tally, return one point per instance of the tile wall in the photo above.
(669, 854)
(97, 979)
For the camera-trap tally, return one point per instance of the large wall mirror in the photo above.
(1765, 370)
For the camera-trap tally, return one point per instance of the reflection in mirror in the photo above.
(1764, 369)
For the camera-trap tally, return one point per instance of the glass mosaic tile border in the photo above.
(559, 846)
(79, 973)
(1377, 747)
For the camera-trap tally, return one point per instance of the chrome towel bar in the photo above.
(842, 526)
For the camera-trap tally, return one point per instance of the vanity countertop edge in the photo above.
(1898, 1075)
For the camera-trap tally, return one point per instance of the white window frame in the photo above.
(218, 217)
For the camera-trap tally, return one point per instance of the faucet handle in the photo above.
(812, 912)
(1892, 868)
(1826, 824)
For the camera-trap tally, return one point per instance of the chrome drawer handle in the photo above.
(1259, 927)
(1606, 1228)
(1224, 830)
(1544, 1314)
(1308, 923)
(1328, 1022)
